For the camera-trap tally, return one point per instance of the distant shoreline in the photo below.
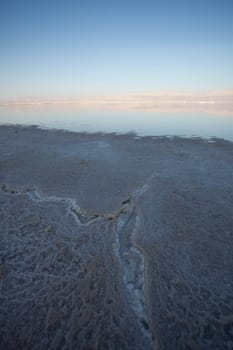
(205, 102)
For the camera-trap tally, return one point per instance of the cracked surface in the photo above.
(61, 287)
(115, 242)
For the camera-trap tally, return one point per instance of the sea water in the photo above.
(140, 122)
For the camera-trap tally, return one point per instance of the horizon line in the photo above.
(152, 93)
(212, 101)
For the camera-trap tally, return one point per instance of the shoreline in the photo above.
(131, 133)
(115, 240)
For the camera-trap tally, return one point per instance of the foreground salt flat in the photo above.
(115, 242)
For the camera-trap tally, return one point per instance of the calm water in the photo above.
(142, 123)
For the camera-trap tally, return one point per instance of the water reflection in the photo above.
(141, 122)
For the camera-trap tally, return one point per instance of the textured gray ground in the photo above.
(115, 242)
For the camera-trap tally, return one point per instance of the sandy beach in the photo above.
(115, 241)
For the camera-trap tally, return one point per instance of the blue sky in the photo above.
(60, 48)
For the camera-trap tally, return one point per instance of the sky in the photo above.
(66, 48)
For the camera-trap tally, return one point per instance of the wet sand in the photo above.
(114, 241)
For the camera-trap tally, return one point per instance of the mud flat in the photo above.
(114, 241)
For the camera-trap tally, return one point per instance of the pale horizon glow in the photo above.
(215, 102)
